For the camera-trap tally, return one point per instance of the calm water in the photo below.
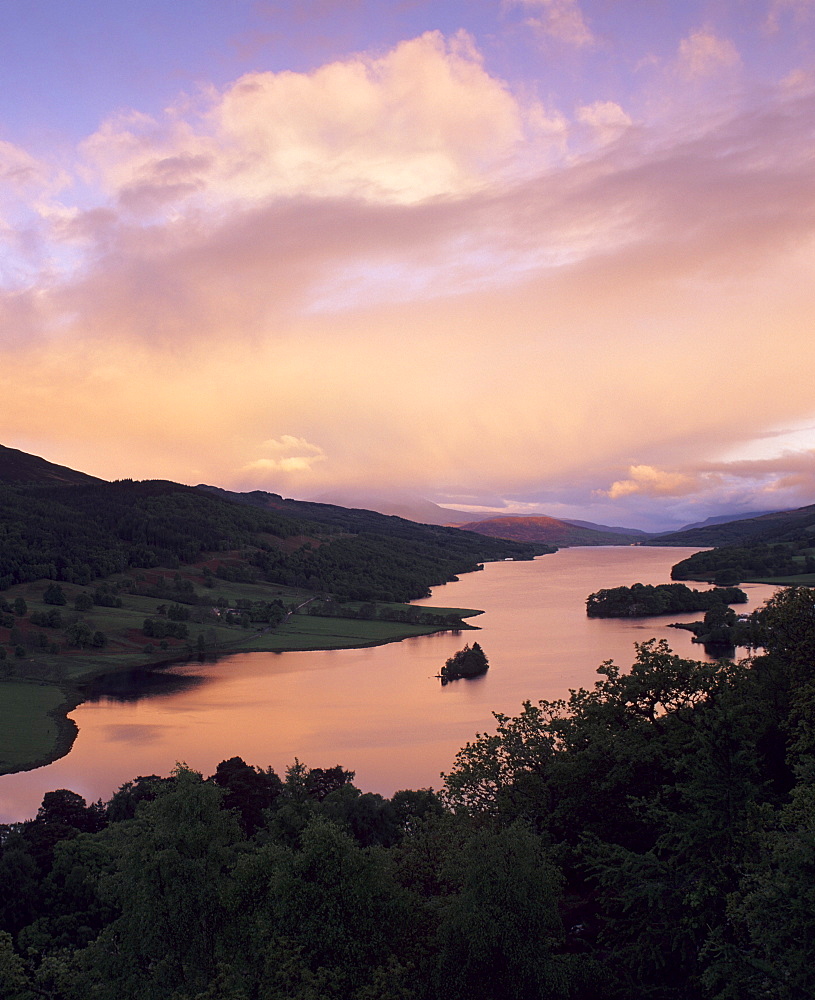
(379, 711)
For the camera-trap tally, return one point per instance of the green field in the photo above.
(312, 632)
(126, 646)
(29, 727)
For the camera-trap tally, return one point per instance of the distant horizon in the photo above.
(543, 256)
(385, 497)
(389, 502)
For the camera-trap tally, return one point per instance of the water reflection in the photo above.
(133, 735)
(379, 711)
(133, 685)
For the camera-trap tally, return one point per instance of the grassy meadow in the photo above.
(32, 725)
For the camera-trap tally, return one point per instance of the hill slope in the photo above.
(615, 530)
(778, 546)
(60, 524)
(725, 519)
(465, 548)
(20, 467)
(779, 526)
(548, 530)
(82, 532)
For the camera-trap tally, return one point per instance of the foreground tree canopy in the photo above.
(651, 837)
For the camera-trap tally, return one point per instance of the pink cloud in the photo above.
(651, 482)
(800, 10)
(786, 481)
(607, 119)
(703, 54)
(420, 121)
(562, 20)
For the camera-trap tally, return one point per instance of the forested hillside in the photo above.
(369, 523)
(79, 533)
(788, 562)
(649, 839)
(779, 546)
(782, 526)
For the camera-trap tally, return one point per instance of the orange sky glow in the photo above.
(517, 259)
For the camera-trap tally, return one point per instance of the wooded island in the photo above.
(641, 600)
(468, 662)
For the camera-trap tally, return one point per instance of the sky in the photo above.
(530, 256)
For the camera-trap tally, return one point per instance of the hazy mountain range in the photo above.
(725, 529)
(411, 506)
(552, 530)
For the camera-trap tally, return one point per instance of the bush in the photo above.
(79, 635)
(83, 602)
(54, 594)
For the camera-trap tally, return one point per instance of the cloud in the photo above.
(28, 186)
(19, 170)
(606, 118)
(652, 482)
(289, 454)
(790, 465)
(560, 19)
(547, 319)
(523, 323)
(783, 482)
(801, 10)
(702, 54)
(421, 121)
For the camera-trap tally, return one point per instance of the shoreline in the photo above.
(74, 693)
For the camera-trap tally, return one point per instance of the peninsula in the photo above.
(98, 578)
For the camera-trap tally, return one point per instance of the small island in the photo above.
(642, 600)
(468, 662)
(722, 630)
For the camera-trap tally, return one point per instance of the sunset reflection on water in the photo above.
(379, 711)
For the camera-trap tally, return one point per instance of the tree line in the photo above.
(369, 611)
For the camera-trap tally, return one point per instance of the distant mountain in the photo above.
(549, 530)
(360, 520)
(724, 519)
(772, 546)
(777, 526)
(409, 506)
(20, 467)
(606, 527)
